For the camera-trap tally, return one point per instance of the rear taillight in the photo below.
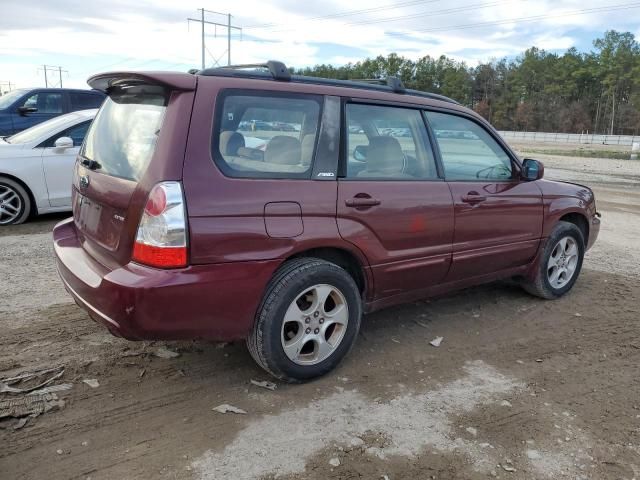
(161, 240)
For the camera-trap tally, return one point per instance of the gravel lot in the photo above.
(520, 388)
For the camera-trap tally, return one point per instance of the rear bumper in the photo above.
(216, 302)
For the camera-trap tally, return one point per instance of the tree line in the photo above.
(573, 92)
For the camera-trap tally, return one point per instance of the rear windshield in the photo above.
(123, 136)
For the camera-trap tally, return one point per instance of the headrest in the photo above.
(283, 150)
(230, 142)
(384, 155)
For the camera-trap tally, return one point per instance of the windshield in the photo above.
(123, 135)
(7, 99)
(33, 134)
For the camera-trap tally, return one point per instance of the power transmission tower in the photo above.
(228, 26)
(2, 86)
(52, 68)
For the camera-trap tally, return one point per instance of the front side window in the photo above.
(387, 143)
(45, 102)
(468, 151)
(76, 133)
(263, 136)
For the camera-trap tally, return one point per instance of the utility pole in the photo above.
(228, 26)
(54, 68)
(228, 39)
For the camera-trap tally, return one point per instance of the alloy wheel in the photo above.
(314, 325)
(563, 262)
(10, 205)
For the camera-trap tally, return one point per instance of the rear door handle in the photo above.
(358, 202)
(473, 197)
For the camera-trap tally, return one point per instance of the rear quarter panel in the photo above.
(227, 215)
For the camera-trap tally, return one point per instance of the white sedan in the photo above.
(36, 167)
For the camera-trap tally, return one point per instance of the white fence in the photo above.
(586, 138)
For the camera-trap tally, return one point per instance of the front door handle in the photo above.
(473, 197)
(360, 202)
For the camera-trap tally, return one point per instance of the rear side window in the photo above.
(123, 136)
(84, 101)
(468, 151)
(266, 136)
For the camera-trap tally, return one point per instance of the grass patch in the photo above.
(617, 154)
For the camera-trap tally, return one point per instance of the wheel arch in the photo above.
(580, 221)
(344, 258)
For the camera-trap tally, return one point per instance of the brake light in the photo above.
(161, 240)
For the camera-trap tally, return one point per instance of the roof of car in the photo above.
(279, 78)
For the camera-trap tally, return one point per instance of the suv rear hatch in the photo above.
(137, 140)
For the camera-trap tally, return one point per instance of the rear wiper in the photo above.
(91, 164)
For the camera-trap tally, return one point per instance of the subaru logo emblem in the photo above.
(84, 181)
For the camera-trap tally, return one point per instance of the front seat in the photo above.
(283, 150)
(384, 159)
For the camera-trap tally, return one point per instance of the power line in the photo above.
(433, 13)
(623, 6)
(347, 13)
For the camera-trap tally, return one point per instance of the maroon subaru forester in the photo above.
(248, 203)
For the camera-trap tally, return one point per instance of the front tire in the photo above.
(15, 204)
(308, 320)
(560, 262)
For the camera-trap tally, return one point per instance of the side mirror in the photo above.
(24, 110)
(62, 143)
(360, 153)
(532, 169)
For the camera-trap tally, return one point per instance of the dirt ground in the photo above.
(520, 388)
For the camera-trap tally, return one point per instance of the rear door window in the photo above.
(266, 135)
(387, 143)
(84, 101)
(122, 137)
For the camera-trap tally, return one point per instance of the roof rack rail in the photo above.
(392, 82)
(278, 70)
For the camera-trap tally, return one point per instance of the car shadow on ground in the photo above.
(40, 224)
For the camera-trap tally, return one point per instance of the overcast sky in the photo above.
(91, 36)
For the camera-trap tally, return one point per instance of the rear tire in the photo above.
(15, 203)
(307, 321)
(560, 263)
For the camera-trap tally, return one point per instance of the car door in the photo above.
(46, 105)
(392, 204)
(498, 216)
(57, 164)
